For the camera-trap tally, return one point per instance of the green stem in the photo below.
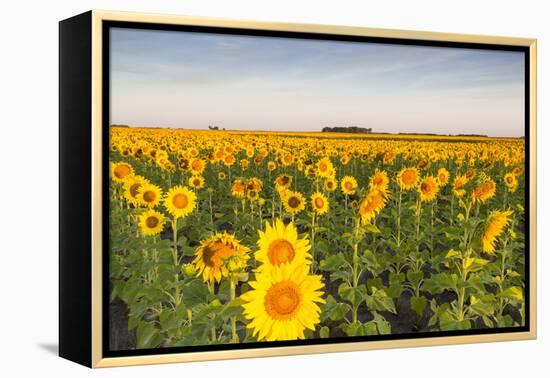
(232, 289)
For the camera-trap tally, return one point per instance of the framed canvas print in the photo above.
(238, 188)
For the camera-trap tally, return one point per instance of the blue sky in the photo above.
(192, 80)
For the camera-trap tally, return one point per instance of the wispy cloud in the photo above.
(195, 79)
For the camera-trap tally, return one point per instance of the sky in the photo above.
(193, 80)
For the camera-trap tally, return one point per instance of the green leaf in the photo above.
(440, 282)
(333, 263)
(380, 301)
(418, 304)
(194, 293)
(324, 332)
(147, 336)
(353, 295)
(334, 310)
(514, 293)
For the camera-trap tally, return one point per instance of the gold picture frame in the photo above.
(80, 274)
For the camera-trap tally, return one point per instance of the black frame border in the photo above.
(107, 25)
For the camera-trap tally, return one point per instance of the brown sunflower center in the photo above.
(293, 202)
(122, 171)
(319, 203)
(214, 253)
(282, 300)
(426, 187)
(409, 177)
(280, 251)
(149, 196)
(134, 189)
(180, 201)
(348, 185)
(152, 221)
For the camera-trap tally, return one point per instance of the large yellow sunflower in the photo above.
(408, 178)
(121, 171)
(220, 255)
(428, 189)
(283, 303)
(293, 202)
(496, 222)
(151, 222)
(279, 244)
(348, 185)
(379, 181)
(319, 202)
(196, 166)
(485, 191)
(373, 202)
(149, 195)
(180, 201)
(325, 167)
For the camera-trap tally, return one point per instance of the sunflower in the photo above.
(218, 256)
(271, 166)
(221, 176)
(373, 202)
(229, 160)
(442, 176)
(319, 202)
(238, 189)
(196, 166)
(458, 185)
(283, 181)
(511, 181)
(131, 188)
(151, 222)
(252, 195)
(254, 184)
(428, 189)
(279, 244)
(496, 222)
(348, 185)
(196, 182)
(180, 201)
(149, 195)
(379, 181)
(331, 185)
(485, 191)
(293, 202)
(408, 178)
(325, 167)
(121, 171)
(283, 303)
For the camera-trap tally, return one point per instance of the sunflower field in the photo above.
(223, 237)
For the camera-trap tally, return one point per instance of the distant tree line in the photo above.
(347, 129)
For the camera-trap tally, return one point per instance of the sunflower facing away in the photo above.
(408, 178)
(458, 185)
(496, 222)
(428, 189)
(348, 185)
(121, 171)
(371, 205)
(218, 256)
(283, 302)
(279, 244)
(149, 195)
(319, 202)
(293, 202)
(180, 201)
(151, 222)
(283, 181)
